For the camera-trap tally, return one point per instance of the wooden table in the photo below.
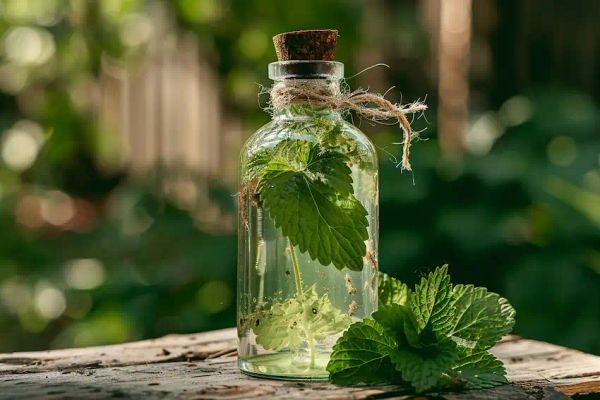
(202, 366)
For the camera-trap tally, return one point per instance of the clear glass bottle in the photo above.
(294, 301)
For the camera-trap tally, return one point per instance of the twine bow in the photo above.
(372, 106)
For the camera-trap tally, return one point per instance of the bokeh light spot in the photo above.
(515, 111)
(215, 296)
(482, 135)
(84, 273)
(21, 145)
(12, 78)
(57, 208)
(50, 302)
(43, 12)
(28, 46)
(562, 151)
(136, 29)
(15, 296)
(28, 211)
(253, 43)
(202, 10)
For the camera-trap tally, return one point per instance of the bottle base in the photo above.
(283, 367)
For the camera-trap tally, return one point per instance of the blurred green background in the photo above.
(121, 123)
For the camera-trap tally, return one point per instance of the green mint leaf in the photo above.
(392, 318)
(439, 333)
(361, 355)
(479, 370)
(331, 167)
(430, 302)
(509, 314)
(398, 320)
(423, 367)
(328, 166)
(278, 327)
(392, 291)
(481, 317)
(322, 319)
(257, 163)
(331, 135)
(307, 193)
(290, 323)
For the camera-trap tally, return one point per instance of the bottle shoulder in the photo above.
(329, 133)
(266, 136)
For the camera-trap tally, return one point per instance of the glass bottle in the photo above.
(294, 301)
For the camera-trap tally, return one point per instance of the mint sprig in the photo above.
(435, 337)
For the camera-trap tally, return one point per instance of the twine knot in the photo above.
(372, 106)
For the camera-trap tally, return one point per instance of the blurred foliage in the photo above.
(90, 256)
(521, 219)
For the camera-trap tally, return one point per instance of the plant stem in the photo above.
(309, 337)
(260, 271)
(296, 269)
(312, 349)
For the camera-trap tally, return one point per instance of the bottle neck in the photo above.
(298, 108)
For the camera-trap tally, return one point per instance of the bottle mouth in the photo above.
(306, 69)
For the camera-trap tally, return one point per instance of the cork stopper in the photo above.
(306, 45)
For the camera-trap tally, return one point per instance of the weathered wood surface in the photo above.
(202, 366)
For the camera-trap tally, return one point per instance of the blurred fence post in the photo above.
(167, 111)
(453, 38)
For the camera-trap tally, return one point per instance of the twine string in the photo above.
(372, 106)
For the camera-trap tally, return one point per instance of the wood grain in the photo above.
(203, 366)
